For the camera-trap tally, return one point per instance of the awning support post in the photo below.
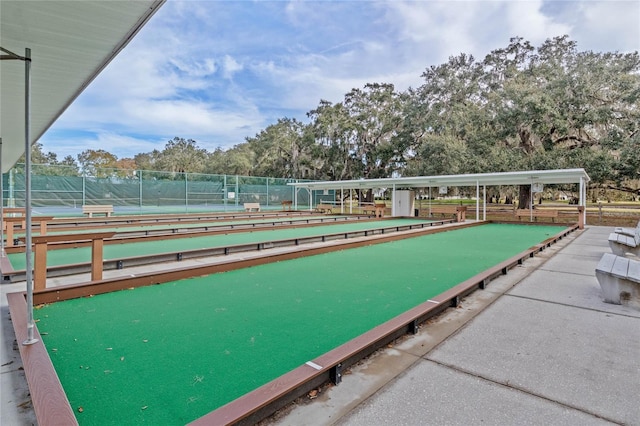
(27, 197)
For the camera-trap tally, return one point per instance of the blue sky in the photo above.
(220, 71)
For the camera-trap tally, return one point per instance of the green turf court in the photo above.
(184, 225)
(118, 251)
(168, 354)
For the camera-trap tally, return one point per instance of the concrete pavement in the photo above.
(538, 346)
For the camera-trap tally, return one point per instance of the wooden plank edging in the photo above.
(49, 400)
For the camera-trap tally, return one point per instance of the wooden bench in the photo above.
(536, 213)
(619, 279)
(622, 244)
(40, 254)
(457, 212)
(324, 208)
(13, 212)
(248, 207)
(10, 222)
(287, 205)
(377, 209)
(105, 209)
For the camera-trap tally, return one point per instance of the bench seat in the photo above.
(631, 232)
(536, 213)
(622, 244)
(105, 209)
(377, 210)
(248, 207)
(619, 279)
(459, 213)
(324, 208)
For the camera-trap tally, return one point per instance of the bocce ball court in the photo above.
(231, 343)
(72, 253)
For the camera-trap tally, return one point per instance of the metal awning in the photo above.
(483, 179)
(71, 42)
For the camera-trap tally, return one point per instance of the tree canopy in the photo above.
(519, 108)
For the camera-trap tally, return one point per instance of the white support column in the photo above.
(484, 202)
(531, 202)
(341, 200)
(295, 197)
(350, 200)
(477, 201)
(393, 201)
(27, 198)
(583, 199)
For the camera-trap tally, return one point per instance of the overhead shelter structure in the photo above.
(477, 180)
(50, 51)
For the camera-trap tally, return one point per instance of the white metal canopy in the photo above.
(482, 179)
(71, 42)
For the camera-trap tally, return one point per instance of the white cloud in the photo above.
(217, 71)
(525, 19)
(230, 66)
(611, 23)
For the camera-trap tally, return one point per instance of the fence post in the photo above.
(11, 202)
(140, 191)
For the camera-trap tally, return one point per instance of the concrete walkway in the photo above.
(538, 346)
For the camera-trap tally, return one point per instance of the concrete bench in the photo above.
(632, 232)
(105, 209)
(324, 208)
(619, 278)
(622, 244)
(535, 213)
(249, 207)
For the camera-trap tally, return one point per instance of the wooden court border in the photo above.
(11, 275)
(52, 407)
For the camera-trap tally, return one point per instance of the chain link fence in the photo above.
(55, 186)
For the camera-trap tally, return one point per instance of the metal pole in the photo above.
(11, 202)
(1, 203)
(531, 203)
(225, 192)
(484, 202)
(583, 200)
(140, 191)
(477, 201)
(237, 194)
(27, 198)
(393, 200)
(186, 193)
